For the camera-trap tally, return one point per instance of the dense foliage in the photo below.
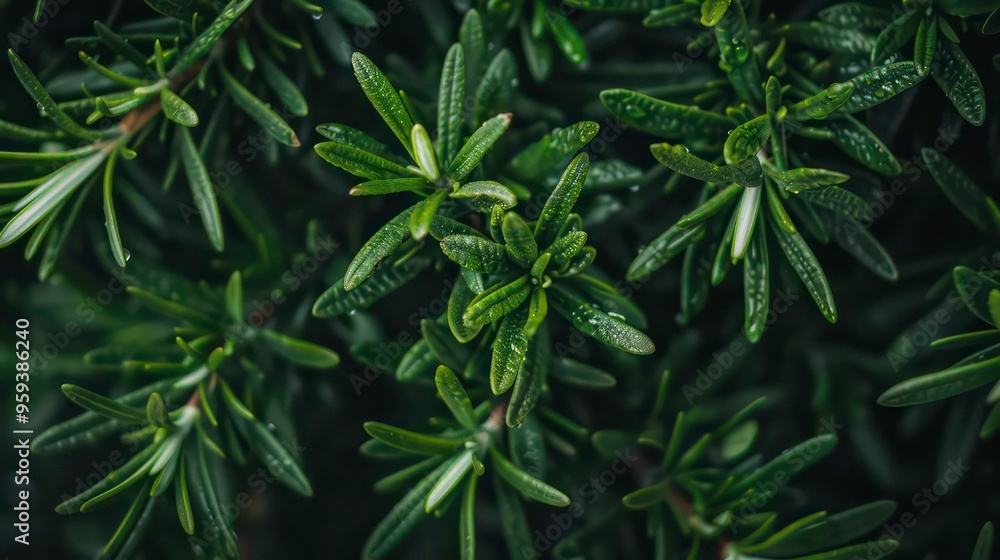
(458, 277)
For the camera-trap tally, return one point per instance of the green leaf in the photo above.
(943, 384)
(229, 15)
(834, 530)
(201, 188)
(620, 6)
(823, 103)
(110, 218)
(384, 98)
(567, 38)
(958, 80)
(283, 87)
(747, 139)
(183, 500)
(509, 351)
(804, 263)
(881, 84)
(459, 300)
(789, 462)
(582, 375)
(442, 344)
(710, 207)
(385, 241)
(104, 406)
(839, 200)
(475, 253)
(561, 201)
(712, 11)
(423, 214)
(830, 38)
(861, 144)
(450, 104)
(338, 300)
(467, 524)
(854, 15)
(895, 35)
(359, 162)
(477, 145)
(678, 158)
(756, 286)
(455, 398)
(497, 301)
(854, 238)
(46, 105)
(974, 288)
(301, 352)
(662, 249)
(513, 521)
(234, 296)
(984, 544)
(805, 179)
(403, 516)
(496, 88)
(486, 194)
(119, 46)
(49, 195)
(595, 323)
(449, 480)
(413, 442)
(925, 44)
(259, 111)
(176, 109)
(354, 137)
(529, 486)
(540, 158)
(665, 119)
(531, 381)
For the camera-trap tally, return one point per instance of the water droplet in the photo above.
(879, 93)
(352, 312)
(317, 16)
(271, 427)
(128, 255)
(489, 46)
(634, 188)
(634, 111)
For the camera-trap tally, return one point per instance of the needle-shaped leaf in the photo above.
(301, 352)
(661, 250)
(413, 442)
(283, 87)
(183, 500)
(360, 162)
(756, 286)
(925, 44)
(424, 212)
(176, 109)
(459, 300)
(259, 111)
(496, 88)
(497, 301)
(833, 530)
(895, 35)
(531, 381)
(477, 145)
(746, 218)
(451, 94)
(854, 15)
(346, 135)
(958, 79)
(449, 480)
(509, 350)
(881, 84)
(595, 323)
(805, 264)
(201, 188)
(679, 159)
(854, 238)
(445, 348)
(959, 188)
(48, 196)
(384, 98)
(385, 241)
(386, 279)
(823, 103)
(984, 544)
(207, 39)
(567, 38)
(561, 201)
(110, 217)
(943, 384)
(527, 485)
(519, 241)
(455, 398)
(475, 253)
(839, 200)
(790, 462)
(861, 144)
(712, 11)
(665, 119)
(404, 515)
(486, 194)
(975, 289)
(747, 139)
(46, 105)
(539, 158)
(102, 405)
(276, 454)
(827, 37)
